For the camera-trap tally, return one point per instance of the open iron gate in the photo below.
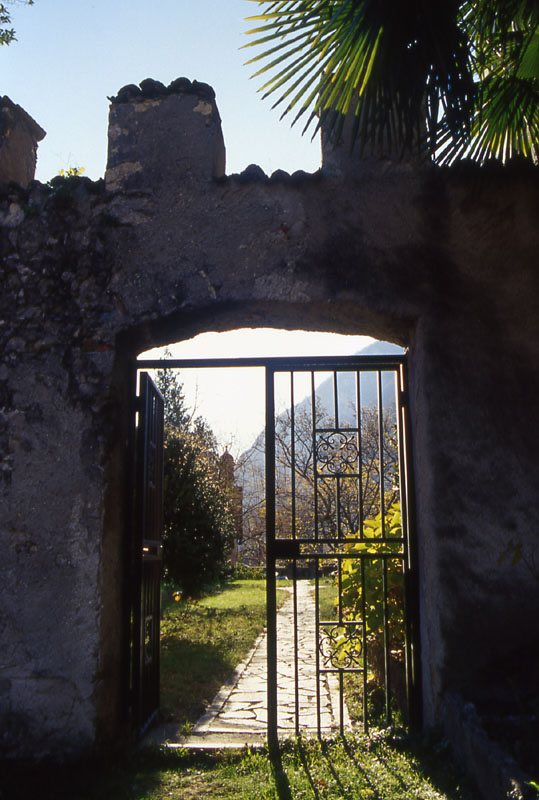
(338, 516)
(358, 651)
(146, 554)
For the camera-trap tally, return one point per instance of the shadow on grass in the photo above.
(123, 778)
(191, 674)
(280, 777)
(400, 760)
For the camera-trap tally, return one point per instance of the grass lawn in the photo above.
(383, 767)
(202, 642)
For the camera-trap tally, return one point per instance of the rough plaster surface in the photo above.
(444, 261)
(19, 135)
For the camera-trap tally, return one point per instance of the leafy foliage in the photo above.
(504, 46)
(363, 578)
(7, 34)
(198, 518)
(461, 76)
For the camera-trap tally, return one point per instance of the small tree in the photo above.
(199, 523)
(7, 34)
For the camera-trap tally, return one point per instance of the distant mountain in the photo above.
(347, 389)
(346, 382)
(250, 465)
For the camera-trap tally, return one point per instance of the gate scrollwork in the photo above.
(337, 453)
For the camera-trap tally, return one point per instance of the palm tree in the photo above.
(457, 76)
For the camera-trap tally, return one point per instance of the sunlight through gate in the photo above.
(338, 528)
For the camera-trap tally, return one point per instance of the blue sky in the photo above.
(72, 54)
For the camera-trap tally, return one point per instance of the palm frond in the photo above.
(466, 71)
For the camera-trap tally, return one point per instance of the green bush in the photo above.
(243, 572)
(363, 580)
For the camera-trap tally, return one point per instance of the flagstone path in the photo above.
(238, 714)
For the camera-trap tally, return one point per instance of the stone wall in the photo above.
(443, 261)
(19, 137)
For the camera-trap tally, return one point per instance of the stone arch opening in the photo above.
(336, 317)
(347, 405)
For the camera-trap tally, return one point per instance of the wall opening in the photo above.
(241, 439)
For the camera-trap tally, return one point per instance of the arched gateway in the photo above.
(440, 260)
(337, 501)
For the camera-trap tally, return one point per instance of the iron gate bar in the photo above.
(281, 363)
(294, 562)
(411, 590)
(271, 557)
(339, 364)
(316, 574)
(146, 554)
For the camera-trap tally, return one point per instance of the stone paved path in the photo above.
(238, 713)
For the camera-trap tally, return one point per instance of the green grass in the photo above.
(383, 767)
(202, 642)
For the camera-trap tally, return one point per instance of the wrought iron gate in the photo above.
(338, 516)
(146, 554)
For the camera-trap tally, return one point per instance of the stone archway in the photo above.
(170, 246)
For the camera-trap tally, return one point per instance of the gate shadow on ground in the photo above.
(326, 766)
(383, 764)
(282, 784)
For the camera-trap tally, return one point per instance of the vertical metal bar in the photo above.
(336, 399)
(317, 644)
(315, 467)
(271, 592)
(340, 620)
(360, 451)
(406, 557)
(339, 586)
(413, 675)
(337, 479)
(364, 645)
(294, 562)
(381, 451)
(137, 563)
(338, 505)
(387, 655)
(130, 514)
(293, 454)
(387, 686)
(341, 702)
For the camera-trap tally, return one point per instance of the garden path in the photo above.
(239, 712)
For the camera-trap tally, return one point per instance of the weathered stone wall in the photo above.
(55, 427)
(443, 261)
(19, 136)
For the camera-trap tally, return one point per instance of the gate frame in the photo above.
(143, 551)
(272, 365)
